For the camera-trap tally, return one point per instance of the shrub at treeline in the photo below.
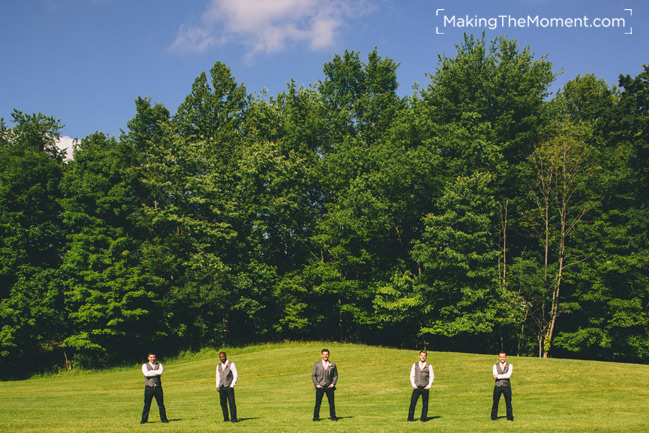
(479, 213)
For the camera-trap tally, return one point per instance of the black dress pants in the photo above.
(319, 393)
(423, 392)
(149, 393)
(506, 391)
(226, 394)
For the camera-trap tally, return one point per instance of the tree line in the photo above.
(480, 213)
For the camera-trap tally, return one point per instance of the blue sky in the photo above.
(85, 61)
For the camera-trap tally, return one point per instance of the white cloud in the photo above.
(268, 26)
(67, 144)
(193, 39)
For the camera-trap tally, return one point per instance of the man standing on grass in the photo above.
(226, 378)
(421, 379)
(324, 376)
(153, 388)
(502, 371)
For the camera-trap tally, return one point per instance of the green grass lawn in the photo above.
(275, 394)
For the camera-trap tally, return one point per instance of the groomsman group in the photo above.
(226, 379)
(325, 377)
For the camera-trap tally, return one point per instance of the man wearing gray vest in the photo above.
(421, 379)
(226, 378)
(324, 376)
(153, 388)
(502, 371)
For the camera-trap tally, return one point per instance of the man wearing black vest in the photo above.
(502, 371)
(226, 378)
(153, 388)
(421, 379)
(324, 376)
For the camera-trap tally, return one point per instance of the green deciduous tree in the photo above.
(360, 97)
(459, 264)
(31, 238)
(564, 169)
(111, 298)
(607, 316)
(213, 111)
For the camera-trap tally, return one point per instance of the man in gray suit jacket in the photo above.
(325, 376)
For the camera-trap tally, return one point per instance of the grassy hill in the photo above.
(275, 394)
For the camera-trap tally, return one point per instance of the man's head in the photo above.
(325, 354)
(223, 357)
(502, 356)
(422, 355)
(151, 357)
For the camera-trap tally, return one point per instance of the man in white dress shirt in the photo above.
(421, 379)
(502, 371)
(226, 378)
(153, 388)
